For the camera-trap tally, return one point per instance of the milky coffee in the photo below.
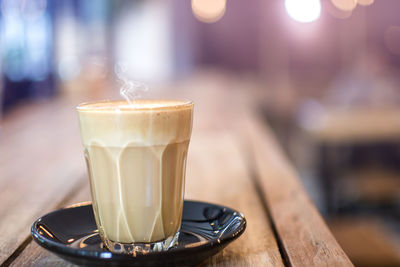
(136, 159)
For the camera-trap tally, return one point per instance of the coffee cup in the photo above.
(136, 160)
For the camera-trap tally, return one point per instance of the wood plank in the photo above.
(305, 238)
(34, 255)
(367, 241)
(40, 163)
(215, 173)
(219, 170)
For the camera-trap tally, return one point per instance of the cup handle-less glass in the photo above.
(136, 159)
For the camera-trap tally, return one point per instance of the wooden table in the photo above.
(234, 160)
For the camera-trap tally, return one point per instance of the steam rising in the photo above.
(130, 89)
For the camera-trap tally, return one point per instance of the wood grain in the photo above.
(303, 234)
(41, 161)
(231, 157)
(217, 173)
(33, 254)
(208, 179)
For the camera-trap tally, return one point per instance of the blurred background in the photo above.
(325, 73)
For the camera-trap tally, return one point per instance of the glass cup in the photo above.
(136, 159)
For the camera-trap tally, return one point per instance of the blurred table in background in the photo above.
(357, 125)
(233, 160)
(348, 139)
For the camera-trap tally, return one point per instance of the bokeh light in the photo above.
(345, 5)
(392, 39)
(208, 11)
(365, 2)
(303, 10)
(338, 13)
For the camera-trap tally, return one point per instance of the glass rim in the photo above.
(126, 106)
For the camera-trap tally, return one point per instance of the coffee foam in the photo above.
(146, 122)
(136, 105)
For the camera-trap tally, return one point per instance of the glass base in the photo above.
(141, 248)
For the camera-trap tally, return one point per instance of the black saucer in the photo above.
(71, 233)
